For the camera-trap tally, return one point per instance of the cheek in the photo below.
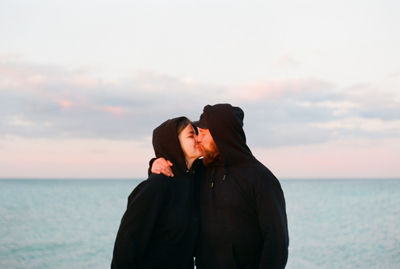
(189, 145)
(194, 145)
(207, 142)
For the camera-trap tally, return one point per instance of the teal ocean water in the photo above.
(73, 223)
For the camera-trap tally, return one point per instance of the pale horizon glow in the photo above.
(83, 84)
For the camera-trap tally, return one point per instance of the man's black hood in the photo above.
(225, 123)
(166, 144)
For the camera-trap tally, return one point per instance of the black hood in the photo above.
(166, 144)
(225, 123)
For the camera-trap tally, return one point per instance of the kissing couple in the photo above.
(207, 201)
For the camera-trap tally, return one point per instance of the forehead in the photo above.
(188, 129)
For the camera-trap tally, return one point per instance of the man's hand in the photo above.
(162, 166)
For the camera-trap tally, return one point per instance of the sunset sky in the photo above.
(84, 83)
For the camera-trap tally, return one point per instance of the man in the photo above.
(242, 206)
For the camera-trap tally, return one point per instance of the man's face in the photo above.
(207, 146)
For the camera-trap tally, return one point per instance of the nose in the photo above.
(198, 138)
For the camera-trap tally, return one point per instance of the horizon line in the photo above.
(132, 178)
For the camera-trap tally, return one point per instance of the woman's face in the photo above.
(189, 146)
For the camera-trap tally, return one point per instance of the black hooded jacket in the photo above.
(242, 206)
(160, 226)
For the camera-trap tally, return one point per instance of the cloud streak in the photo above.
(46, 101)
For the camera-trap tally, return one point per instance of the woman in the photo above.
(160, 225)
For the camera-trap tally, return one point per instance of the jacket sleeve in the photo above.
(137, 224)
(150, 166)
(272, 218)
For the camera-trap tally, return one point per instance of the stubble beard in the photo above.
(210, 154)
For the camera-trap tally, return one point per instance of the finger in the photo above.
(169, 163)
(154, 170)
(167, 171)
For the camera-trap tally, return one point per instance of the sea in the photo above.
(73, 223)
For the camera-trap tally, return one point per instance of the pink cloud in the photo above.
(86, 81)
(65, 103)
(115, 110)
(277, 88)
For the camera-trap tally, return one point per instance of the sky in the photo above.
(84, 83)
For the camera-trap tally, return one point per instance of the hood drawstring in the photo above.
(213, 172)
(226, 173)
(212, 177)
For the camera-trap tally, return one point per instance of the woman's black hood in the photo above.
(166, 144)
(225, 123)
